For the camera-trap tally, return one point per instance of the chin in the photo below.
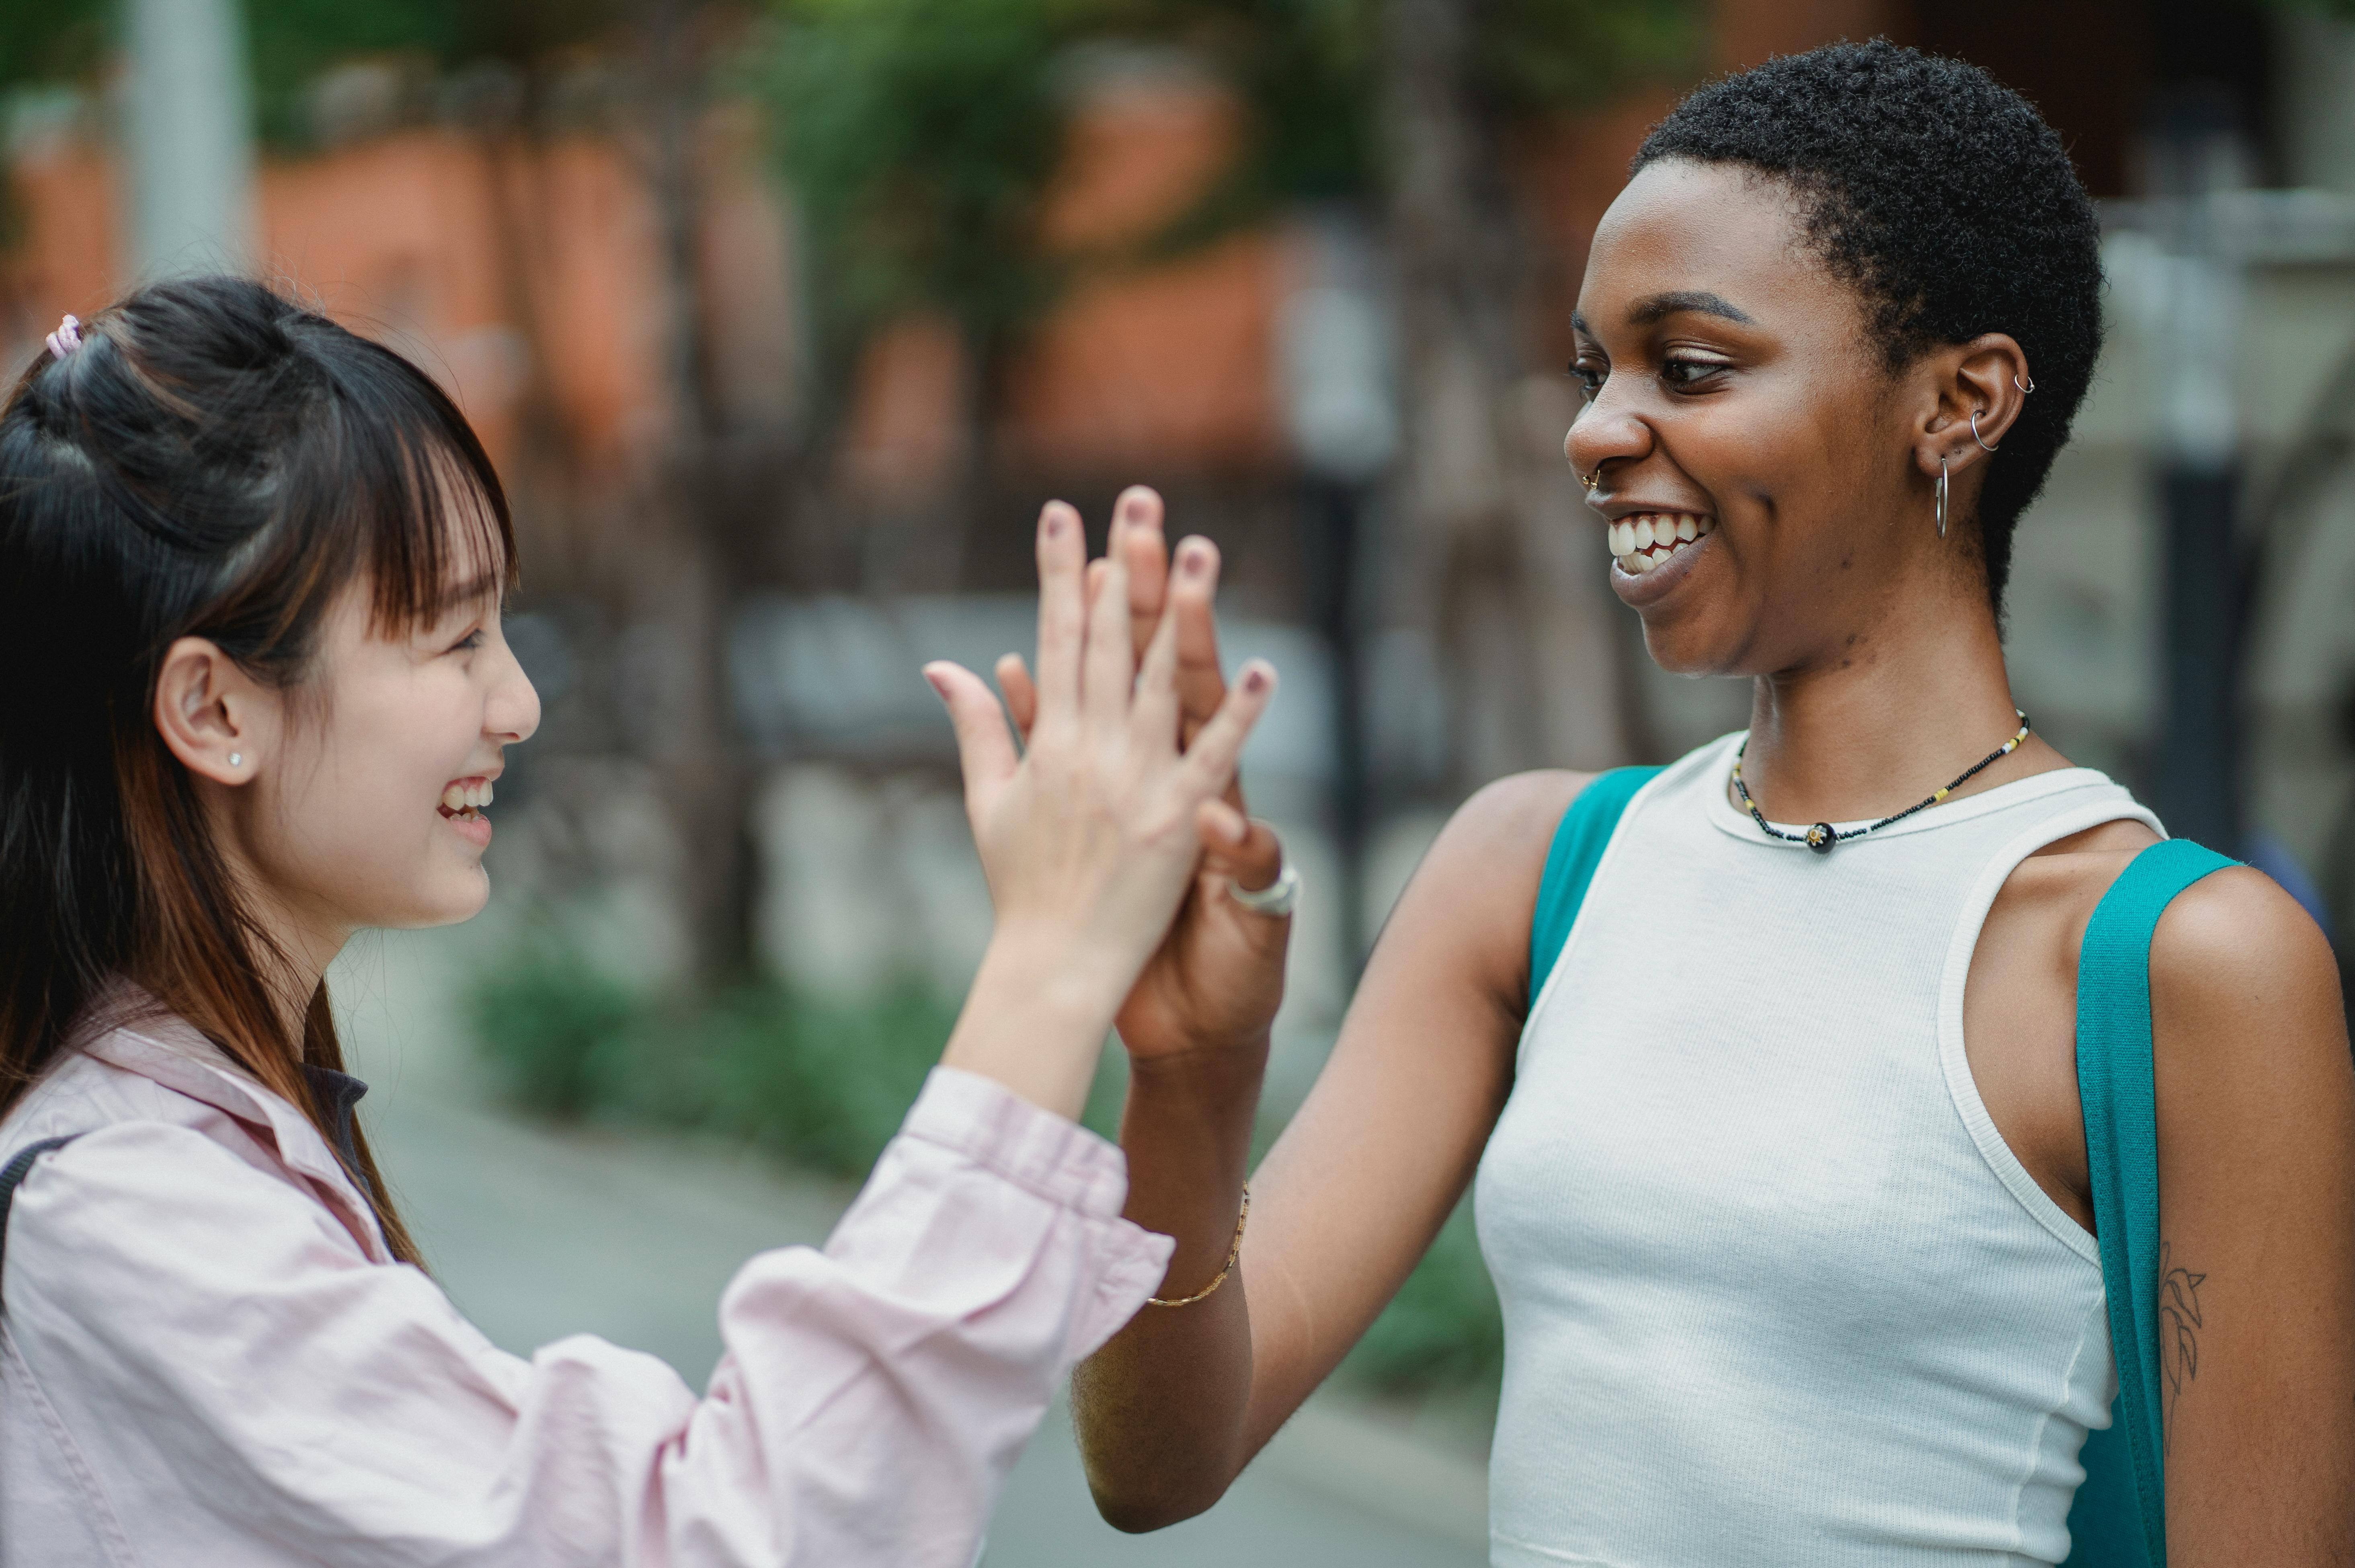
(1686, 650)
(462, 899)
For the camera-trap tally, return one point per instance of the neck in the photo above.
(305, 942)
(1894, 713)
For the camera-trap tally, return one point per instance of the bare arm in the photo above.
(1174, 1407)
(2256, 1150)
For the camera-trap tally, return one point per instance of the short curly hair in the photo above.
(1946, 199)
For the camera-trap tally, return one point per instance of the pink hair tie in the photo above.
(65, 339)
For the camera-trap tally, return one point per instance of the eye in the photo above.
(1683, 373)
(468, 643)
(1589, 377)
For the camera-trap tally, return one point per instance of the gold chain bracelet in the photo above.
(1234, 1252)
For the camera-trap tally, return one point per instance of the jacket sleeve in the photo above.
(233, 1371)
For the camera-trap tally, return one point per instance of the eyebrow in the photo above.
(1678, 301)
(1659, 306)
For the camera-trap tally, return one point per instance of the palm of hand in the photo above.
(1100, 868)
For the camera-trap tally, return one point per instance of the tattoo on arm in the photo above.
(2178, 1335)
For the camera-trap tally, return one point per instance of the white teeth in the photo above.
(1631, 538)
(465, 796)
(453, 798)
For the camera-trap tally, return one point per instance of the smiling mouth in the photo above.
(465, 799)
(1647, 540)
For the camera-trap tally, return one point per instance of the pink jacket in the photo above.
(208, 1357)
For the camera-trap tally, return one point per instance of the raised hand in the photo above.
(1091, 836)
(1218, 977)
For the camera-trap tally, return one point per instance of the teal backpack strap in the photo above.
(1578, 846)
(2120, 1514)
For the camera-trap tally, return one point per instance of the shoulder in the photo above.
(1512, 816)
(2234, 959)
(2237, 922)
(1469, 905)
(1494, 847)
(131, 1202)
(166, 1167)
(78, 1092)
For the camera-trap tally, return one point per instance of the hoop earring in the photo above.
(1974, 432)
(1942, 497)
(2027, 389)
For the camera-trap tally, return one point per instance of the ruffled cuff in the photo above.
(978, 1123)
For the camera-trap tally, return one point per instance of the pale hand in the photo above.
(1217, 979)
(1090, 838)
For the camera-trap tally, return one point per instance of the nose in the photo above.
(1606, 431)
(513, 711)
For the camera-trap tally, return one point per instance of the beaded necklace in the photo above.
(1823, 835)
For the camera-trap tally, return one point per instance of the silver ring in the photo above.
(1276, 899)
(1975, 430)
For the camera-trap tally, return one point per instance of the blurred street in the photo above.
(540, 1234)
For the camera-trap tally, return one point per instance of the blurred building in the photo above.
(527, 273)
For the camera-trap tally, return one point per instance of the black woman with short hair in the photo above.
(1771, 1110)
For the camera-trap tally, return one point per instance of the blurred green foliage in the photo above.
(556, 1030)
(819, 1085)
(292, 42)
(289, 42)
(54, 41)
(916, 135)
(921, 136)
(822, 1084)
(1441, 1331)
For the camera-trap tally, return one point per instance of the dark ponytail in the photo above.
(213, 461)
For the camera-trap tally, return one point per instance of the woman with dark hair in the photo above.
(1764, 1067)
(251, 569)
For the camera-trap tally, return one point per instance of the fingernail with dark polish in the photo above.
(1256, 681)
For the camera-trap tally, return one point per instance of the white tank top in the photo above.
(1776, 1291)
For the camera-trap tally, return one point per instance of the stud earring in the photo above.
(237, 759)
(1942, 497)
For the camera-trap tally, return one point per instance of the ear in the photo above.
(1986, 378)
(218, 719)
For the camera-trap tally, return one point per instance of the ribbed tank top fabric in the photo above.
(1776, 1291)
